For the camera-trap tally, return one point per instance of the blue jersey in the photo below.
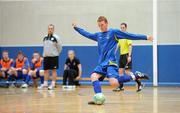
(107, 43)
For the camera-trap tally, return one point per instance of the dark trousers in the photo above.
(70, 74)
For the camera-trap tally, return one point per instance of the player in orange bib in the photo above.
(5, 65)
(21, 67)
(36, 70)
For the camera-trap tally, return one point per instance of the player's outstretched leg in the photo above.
(140, 76)
(137, 76)
(96, 85)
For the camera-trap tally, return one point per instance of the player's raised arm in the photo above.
(84, 33)
(125, 35)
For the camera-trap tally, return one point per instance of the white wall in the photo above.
(25, 23)
(168, 21)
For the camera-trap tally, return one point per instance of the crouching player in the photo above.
(20, 68)
(5, 65)
(36, 70)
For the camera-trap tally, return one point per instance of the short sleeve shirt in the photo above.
(124, 45)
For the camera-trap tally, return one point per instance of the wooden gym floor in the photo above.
(150, 100)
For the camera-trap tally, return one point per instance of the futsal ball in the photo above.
(99, 98)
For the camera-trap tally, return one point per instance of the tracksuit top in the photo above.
(51, 46)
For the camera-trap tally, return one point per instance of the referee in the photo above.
(51, 49)
(125, 61)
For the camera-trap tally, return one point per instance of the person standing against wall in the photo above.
(52, 47)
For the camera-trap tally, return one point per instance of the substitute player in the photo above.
(36, 70)
(125, 60)
(107, 44)
(5, 65)
(51, 50)
(21, 67)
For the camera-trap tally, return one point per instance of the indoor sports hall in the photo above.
(89, 56)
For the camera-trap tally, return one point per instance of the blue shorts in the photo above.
(107, 71)
(20, 75)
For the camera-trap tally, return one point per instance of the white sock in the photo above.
(133, 76)
(53, 83)
(45, 83)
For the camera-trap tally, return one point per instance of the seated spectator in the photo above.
(5, 65)
(36, 70)
(72, 69)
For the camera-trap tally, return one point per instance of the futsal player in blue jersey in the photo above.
(107, 43)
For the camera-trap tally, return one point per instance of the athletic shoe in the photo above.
(51, 87)
(139, 89)
(24, 86)
(68, 87)
(41, 87)
(140, 86)
(118, 89)
(13, 84)
(140, 75)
